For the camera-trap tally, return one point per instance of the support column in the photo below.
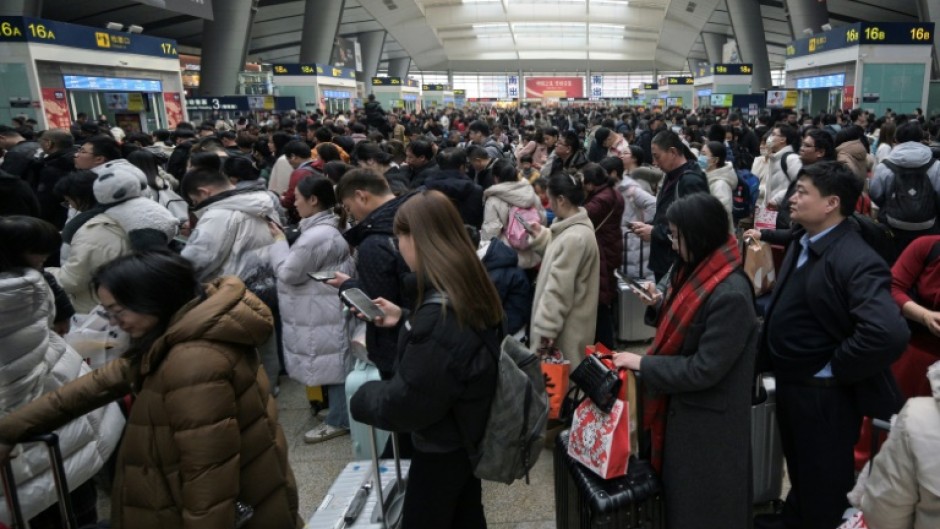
(371, 43)
(21, 8)
(714, 46)
(321, 25)
(804, 14)
(450, 78)
(399, 67)
(748, 27)
(928, 11)
(223, 49)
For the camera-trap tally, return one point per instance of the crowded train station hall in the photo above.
(506, 264)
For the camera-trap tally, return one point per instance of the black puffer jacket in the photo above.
(446, 376)
(381, 273)
(682, 181)
(512, 284)
(466, 195)
(53, 168)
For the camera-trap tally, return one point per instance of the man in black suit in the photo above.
(831, 332)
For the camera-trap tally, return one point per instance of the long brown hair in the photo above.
(446, 259)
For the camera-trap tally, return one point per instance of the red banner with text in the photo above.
(560, 87)
(55, 105)
(174, 109)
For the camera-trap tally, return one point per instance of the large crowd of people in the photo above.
(199, 246)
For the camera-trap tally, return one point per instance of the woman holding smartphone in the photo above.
(446, 374)
(314, 324)
(699, 371)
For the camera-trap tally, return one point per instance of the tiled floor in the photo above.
(516, 506)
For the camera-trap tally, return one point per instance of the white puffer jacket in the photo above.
(903, 489)
(638, 206)
(315, 326)
(722, 181)
(231, 236)
(777, 181)
(99, 241)
(498, 200)
(34, 360)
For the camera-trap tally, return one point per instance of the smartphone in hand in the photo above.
(639, 288)
(361, 302)
(321, 276)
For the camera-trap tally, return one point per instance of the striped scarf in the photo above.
(679, 311)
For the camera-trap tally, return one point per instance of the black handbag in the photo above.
(599, 382)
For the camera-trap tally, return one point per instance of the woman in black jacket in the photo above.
(446, 373)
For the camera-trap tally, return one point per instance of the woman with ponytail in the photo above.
(564, 311)
(314, 324)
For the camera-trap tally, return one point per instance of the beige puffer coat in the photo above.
(903, 490)
(203, 431)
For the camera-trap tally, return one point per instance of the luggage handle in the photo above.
(58, 475)
(378, 473)
(626, 246)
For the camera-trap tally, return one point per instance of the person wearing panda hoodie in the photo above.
(127, 222)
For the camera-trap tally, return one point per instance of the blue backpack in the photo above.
(745, 195)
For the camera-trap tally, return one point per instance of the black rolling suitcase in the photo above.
(58, 475)
(585, 501)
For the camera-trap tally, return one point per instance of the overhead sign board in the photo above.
(867, 33)
(680, 81)
(435, 87)
(732, 69)
(821, 81)
(111, 84)
(28, 29)
(561, 87)
(386, 81)
(196, 8)
(316, 70)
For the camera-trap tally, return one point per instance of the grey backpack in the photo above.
(515, 430)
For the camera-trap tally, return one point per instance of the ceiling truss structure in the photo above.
(498, 35)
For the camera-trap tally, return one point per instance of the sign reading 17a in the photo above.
(167, 48)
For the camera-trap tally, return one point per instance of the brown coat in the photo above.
(203, 431)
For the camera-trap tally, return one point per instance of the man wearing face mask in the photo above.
(783, 165)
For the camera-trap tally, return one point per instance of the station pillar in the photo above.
(748, 26)
(714, 46)
(399, 67)
(371, 44)
(803, 14)
(21, 8)
(321, 25)
(224, 42)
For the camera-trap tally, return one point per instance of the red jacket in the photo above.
(605, 209)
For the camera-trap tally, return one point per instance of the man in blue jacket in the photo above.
(831, 332)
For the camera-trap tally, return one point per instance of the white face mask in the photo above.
(770, 142)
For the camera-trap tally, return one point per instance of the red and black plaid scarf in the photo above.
(676, 317)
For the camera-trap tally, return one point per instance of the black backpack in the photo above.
(911, 200)
(743, 159)
(877, 235)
